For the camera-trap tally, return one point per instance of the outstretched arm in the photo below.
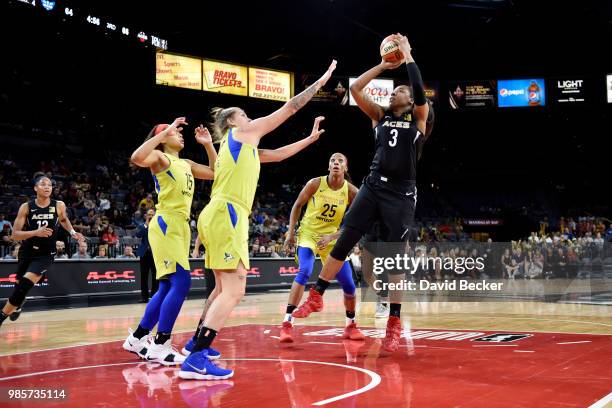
(365, 103)
(307, 192)
(282, 153)
(147, 156)
(65, 222)
(200, 171)
(421, 107)
(256, 129)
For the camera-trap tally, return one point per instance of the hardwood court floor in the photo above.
(560, 355)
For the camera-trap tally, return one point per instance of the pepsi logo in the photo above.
(503, 92)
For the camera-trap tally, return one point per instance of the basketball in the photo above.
(390, 51)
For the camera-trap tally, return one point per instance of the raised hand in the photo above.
(316, 132)
(176, 124)
(202, 135)
(323, 80)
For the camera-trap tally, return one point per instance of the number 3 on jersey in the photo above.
(393, 142)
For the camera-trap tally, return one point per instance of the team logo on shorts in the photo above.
(228, 257)
(166, 263)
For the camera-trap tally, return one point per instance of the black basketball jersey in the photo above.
(398, 142)
(40, 217)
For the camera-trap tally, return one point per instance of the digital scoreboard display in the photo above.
(178, 70)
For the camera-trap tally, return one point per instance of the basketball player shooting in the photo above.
(388, 194)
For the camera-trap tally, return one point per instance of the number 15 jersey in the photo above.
(397, 144)
(324, 211)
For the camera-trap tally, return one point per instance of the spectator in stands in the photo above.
(272, 253)
(355, 258)
(147, 266)
(104, 203)
(14, 254)
(109, 237)
(5, 232)
(102, 252)
(128, 253)
(60, 248)
(146, 203)
(609, 233)
(81, 252)
(137, 219)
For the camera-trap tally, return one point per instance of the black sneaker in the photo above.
(15, 315)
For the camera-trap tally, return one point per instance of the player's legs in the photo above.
(345, 278)
(198, 366)
(306, 260)
(29, 273)
(357, 221)
(161, 350)
(396, 230)
(14, 302)
(213, 288)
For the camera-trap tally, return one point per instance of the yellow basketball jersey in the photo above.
(325, 210)
(236, 172)
(174, 188)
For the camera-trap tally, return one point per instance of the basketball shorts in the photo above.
(170, 239)
(223, 228)
(36, 264)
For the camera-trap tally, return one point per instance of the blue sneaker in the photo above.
(198, 367)
(212, 353)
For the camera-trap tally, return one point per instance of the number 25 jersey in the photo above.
(325, 210)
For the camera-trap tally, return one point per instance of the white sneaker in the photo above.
(136, 345)
(381, 310)
(164, 354)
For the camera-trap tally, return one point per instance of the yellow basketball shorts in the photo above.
(223, 228)
(170, 238)
(306, 240)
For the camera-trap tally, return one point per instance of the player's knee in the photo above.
(21, 290)
(349, 288)
(349, 237)
(303, 275)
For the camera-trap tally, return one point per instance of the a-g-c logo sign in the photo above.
(48, 4)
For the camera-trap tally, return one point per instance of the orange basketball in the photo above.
(390, 51)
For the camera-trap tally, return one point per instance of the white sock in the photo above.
(349, 321)
(288, 318)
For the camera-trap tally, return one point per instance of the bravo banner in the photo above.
(67, 277)
(268, 84)
(177, 70)
(225, 78)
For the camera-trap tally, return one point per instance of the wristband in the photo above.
(72, 232)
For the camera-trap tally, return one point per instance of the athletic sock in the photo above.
(161, 338)
(288, 317)
(395, 309)
(321, 286)
(197, 332)
(205, 339)
(350, 317)
(141, 332)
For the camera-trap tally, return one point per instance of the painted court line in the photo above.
(495, 345)
(374, 378)
(523, 351)
(602, 402)
(575, 342)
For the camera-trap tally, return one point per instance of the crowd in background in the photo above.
(107, 202)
